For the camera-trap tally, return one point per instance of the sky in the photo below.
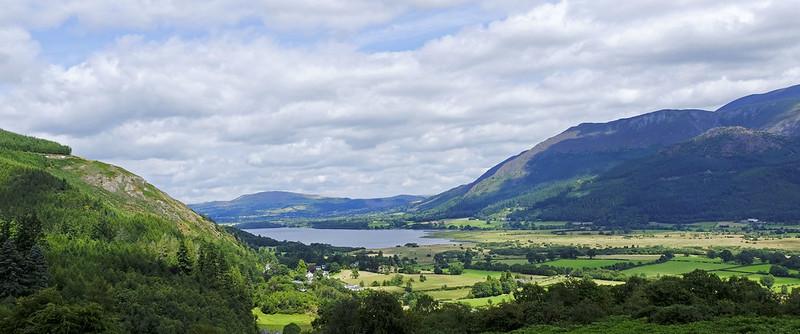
(209, 100)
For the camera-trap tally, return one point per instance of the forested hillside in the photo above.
(95, 248)
(727, 173)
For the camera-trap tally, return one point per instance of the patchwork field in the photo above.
(424, 254)
(677, 266)
(432, 282)
(584, 263)
(276, 322)
(654, 238)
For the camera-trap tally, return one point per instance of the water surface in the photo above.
(350, 238)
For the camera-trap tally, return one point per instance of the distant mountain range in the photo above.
(669, 166)
(275, 206)
(646, 168)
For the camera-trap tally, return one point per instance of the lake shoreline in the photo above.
(369, 239)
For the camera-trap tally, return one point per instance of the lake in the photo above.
(350, 238)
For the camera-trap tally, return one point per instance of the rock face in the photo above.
(589, 149)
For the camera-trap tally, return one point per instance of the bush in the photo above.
(292, 328)
(679, 314)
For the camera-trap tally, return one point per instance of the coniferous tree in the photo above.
(10, 270)
(184, 262)
(35, 274)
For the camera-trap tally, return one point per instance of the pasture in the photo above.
(677, 266)
(584, 263)
(276, 322)
(669, 239)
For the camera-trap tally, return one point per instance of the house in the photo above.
(353, 287)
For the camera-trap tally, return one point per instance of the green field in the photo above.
(677, 266)
(479, 302)
(476, 223)
(669, 239)
(276, 322)
(452, 294)
(511, 261)
(631, 257)
(432, 282)
(583, 263)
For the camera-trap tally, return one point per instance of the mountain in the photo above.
(728, 173)
(584, 151)
(119, 254)
(275, 206)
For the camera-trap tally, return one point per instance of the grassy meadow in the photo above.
(276, 322)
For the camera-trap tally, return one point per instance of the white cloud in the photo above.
(234, 112)
(17, 54)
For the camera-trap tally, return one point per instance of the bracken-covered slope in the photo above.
(274, 206)
(111, 241)
(587, 150)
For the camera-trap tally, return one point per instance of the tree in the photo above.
(184, 262)
(11, 271)
(292, 328)
(437, 270)
(302, 268)
(745, 257)
(531, 257)
(530, 293)
(35, 274)
(726, 255)
(767, 281)
(456, 269)
(354, 273)
(381, 312)
(468, 258)
(779, 271)
(591, 253)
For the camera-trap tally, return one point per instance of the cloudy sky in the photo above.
(361, 98)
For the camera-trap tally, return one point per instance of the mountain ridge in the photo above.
(592, 148)
(277, 206)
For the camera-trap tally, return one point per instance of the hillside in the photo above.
(276, 206)
(119, 250)
(724, 174)
(587, 150)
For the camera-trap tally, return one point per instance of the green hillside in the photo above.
(121, 256)
(725, 174)
(13, 141)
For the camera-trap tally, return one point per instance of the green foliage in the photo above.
(291, 328)
(456, 269)
(126, 256)
(16, 142)
(376, 312)
(48, 312)
(494, 287)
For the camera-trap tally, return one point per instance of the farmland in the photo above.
(276, 322)
(639, 239)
